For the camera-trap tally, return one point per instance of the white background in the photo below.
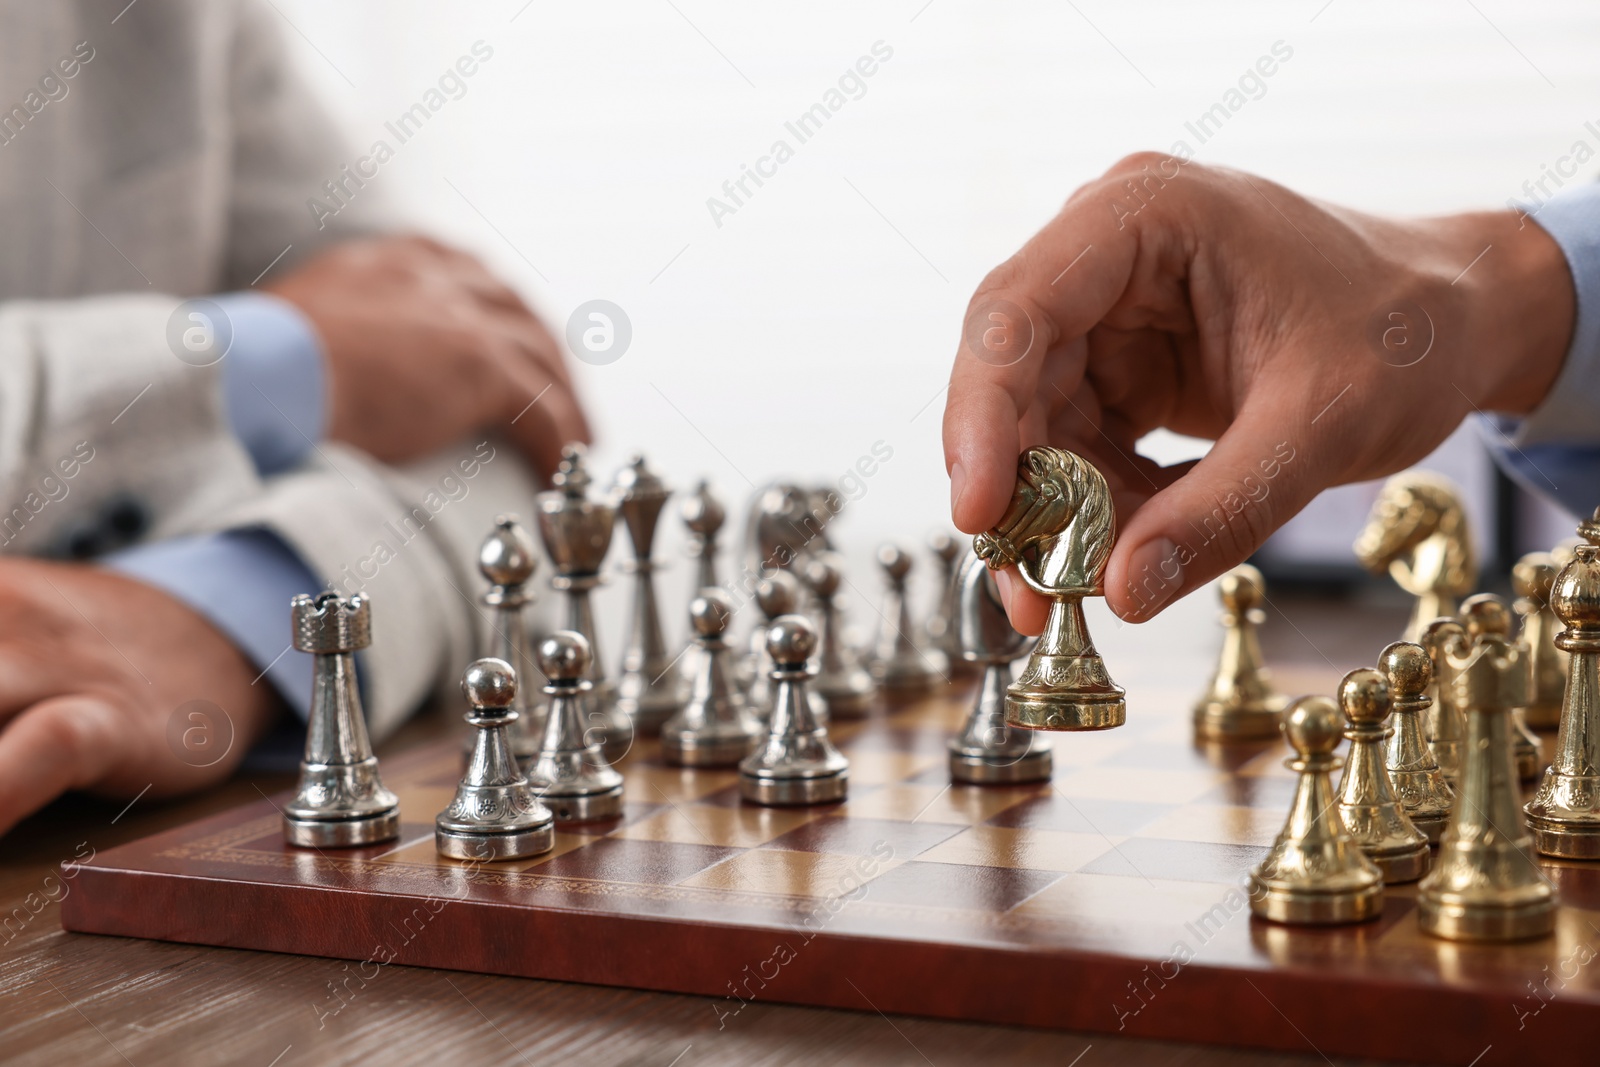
(824, 314)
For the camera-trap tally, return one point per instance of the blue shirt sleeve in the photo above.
(1555, 450)
(242, 582)
(274, 386)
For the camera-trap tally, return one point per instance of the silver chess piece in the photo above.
(576, 532)
(714, 728)
(495, 814)
(777, 594)
(703, 516)
(572, 776)
(341, 800)
(508, 559)
(796, 764)
(647, 688)
(987, 750)
(842, 684)
(898, 664)
(942, 630)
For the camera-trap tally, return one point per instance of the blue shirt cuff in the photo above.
(274, 386)
(241, 581)
(1567, 414)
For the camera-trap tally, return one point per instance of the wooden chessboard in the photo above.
(1108, 900)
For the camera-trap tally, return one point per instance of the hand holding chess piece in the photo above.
(1418, 533)
(987, 750)
(1486, 884)
(1058, 531)
(508, 559)
(1316, 873)
(714, 728)
(341, 800)
(572, 776)
(494, 814)
(1422, 788)
(796, 764)
(1565, 812)
(1241, 704)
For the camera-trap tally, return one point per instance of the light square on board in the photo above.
(1040, 850)
(1222, 823)
(958, 804)
(745, 826)
(820, 875)
(1132, 784)
(653, 784)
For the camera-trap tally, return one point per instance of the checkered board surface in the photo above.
(1107, 899)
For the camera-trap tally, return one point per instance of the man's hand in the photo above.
(1315, 345)
(95, 673)
(425, 346)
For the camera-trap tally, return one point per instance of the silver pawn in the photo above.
(647, 688)
(897, 663)
(714, 728)
(495, 814)
(987, 750)
(341, 800)
(797, 764)
(572, 776)
(943, 630)
(776, 594)
(842, 684)
(576, 532)
(508, 559)
(703, 516)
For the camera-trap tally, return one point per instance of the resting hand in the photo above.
(424, 346)
(111, 686)
(1315, 345)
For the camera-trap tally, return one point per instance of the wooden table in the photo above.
(76, 999)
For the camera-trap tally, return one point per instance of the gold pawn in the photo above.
(1367, 804)
(1483, 614)
(1241, 704)
(1565, 813)
(1315, 873)
(1443, 724)
(1531, 580)
(1418, 782)
(1486, 884)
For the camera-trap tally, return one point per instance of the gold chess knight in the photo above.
(1058, 530)
(1418, 533)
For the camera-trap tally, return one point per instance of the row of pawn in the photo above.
(1446, 773)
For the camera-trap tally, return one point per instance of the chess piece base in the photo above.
(1033, 766)
(593, 807)
(342, 833)
(648, 719)
(1302, 907)
(1065, 710)
(791, 792)
(1564, 839)
(512, 845)
(680, 751)
(1214, 721)
(1478, 922)
(1404, 866)
(1431, 826)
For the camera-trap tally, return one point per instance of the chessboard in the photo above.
(1109, 899)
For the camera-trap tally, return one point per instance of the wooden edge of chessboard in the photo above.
(734, 965)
